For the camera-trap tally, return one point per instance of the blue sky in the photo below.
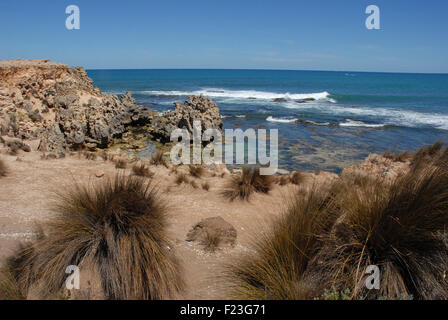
(252, 34)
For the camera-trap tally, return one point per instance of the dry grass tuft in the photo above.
(13, 150)
(276, 268)
(9, 287)
(329, 238)
(104, 155)
(196, 171)
(90, 155)
(296, 178)
(211, 241)
(398, 157)
(394, 227)
(118, 225)
(142, 170)
(250, 181)
(121, 164)
(181, 178)
(283, 180)
(158, 159)
(3, 168)
(194, 184)
(206, 186)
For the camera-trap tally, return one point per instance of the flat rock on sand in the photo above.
(215, 226)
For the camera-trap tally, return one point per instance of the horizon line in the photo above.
(262, 69)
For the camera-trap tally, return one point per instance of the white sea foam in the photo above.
(318, 123)
(395, 117)
(243, 94)
(355, 123)
(282, 120)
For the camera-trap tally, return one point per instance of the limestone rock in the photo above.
(379, 166)
(183, 116)
(61, 106)
(215, 226)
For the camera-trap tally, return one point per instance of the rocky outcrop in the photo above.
(379, 166)
(198, 108)
(60, 105)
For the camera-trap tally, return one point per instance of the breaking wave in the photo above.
(282, 120)
(243, 94)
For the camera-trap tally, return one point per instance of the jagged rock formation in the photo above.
(59, 105)
(198, 108)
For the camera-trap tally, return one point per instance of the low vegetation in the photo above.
(296, 178)
(281, 255)
(3, 168)
(329, 238)
(158, 159)
(181, 178)
(121, 164)
(9, 287)
(244, 185)
(142, 170)
(90, 155)
(398, 157)
(206, 186)
(117, 225)
(196, 171)
(211, 241)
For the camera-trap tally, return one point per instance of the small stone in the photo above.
(99, 174)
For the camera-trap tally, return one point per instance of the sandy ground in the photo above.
(27, 192)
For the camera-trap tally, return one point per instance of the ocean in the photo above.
(352, 115)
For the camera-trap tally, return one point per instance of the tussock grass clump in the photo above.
(119, 226)
(206, 186)
(14, 150)
(174, 169)
(158, 159)
(104, 155)
(328, 239)
(196, 171)
(276, 269)
(181, 178)
(430, 151)
(211, 241)
(398, 157)
(283, 180)
(296, 178)
(250, 181)
(121, 164)
(3, 168)
(142, 170)
(90, 155)
(194, 184)
(394, 227)
(9, 287)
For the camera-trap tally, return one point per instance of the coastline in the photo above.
(57, 131)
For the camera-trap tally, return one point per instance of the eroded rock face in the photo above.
(198, 108)
(40, 99)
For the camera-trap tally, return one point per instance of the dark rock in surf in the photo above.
(305, 100)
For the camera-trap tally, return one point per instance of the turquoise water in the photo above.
(353, 114)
